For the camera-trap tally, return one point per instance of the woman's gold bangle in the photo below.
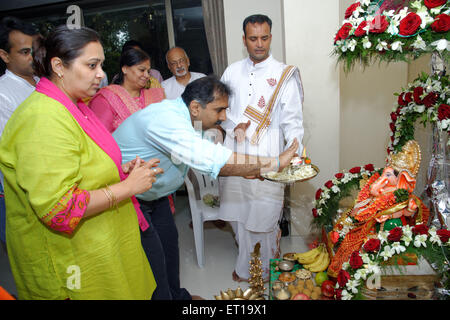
(112, 199)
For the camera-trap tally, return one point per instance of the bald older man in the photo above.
(178, 63)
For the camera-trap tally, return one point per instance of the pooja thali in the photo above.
(293, 173)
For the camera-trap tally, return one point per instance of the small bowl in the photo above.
(285, 265)
(281, 294)
(287, 278)
(289, 257)
(277, 285)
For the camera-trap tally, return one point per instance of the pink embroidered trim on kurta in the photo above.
(68, 212)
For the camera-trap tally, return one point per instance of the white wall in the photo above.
(309, 42)
(235, 13)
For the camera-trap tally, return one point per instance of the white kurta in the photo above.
(173, 89)
(253, 206)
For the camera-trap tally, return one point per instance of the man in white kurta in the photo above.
(253, 207)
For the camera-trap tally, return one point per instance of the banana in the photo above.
(320, 264)
(309, 256)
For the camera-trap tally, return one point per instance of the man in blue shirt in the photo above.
(176, 132)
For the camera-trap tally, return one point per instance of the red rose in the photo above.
(392, 126)
(393, 116)
(373, 245)
(408, 97)
(356, 261)
(329, 184)
(401, 101)
(343, 278)
(420, 229)
(418, 92)
(379, 24)
(441, 23)
(355, 170)
(443, 112)
(338, 294)
(430, 4)
(443, 234)
(314, 212)
(351, 9)
(409, 24)
(339, 175)
(395, 234)
(343, 32)
(318, 193)
(430, 99)
(360, 31)
(369, 167)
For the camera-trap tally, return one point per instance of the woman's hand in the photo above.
(286, 156)
(143, 175)
(127, 167)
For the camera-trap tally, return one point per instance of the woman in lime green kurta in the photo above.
(56, 157)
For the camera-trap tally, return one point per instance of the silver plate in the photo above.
(264, 175)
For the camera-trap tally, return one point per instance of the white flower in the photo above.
(319, 211)
(425, 16)
(361, 274)
(347, 177)
(372, 267)
(335, 189)
(382, 45)
(365, 3)
(346, 295)
(420, 240)
(398, 248)
(407, 235)
(434, 238)
(386, 253)
(382, 235)
(397, 46)
(345, 265)
(419, 108)
(366, 43)
(436, 10)
(352, 285)
(352, 45)
(401, 14)
(441, 45)
(417, 4)
(419, 43)
(358, 11)
(365, 257)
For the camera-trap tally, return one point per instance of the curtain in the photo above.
(214, 19)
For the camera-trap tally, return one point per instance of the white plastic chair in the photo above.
(198, 185)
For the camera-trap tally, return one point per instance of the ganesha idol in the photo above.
(383, 203)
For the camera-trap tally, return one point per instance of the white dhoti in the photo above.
(270, 95)
(253, 208)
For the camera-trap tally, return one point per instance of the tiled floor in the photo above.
(220, 255)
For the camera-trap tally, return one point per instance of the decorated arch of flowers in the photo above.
(426, 99)
(393, 31)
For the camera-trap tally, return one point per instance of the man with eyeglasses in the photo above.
(18, 82)
(178, 63)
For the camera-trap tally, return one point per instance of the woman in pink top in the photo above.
(116, 102)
